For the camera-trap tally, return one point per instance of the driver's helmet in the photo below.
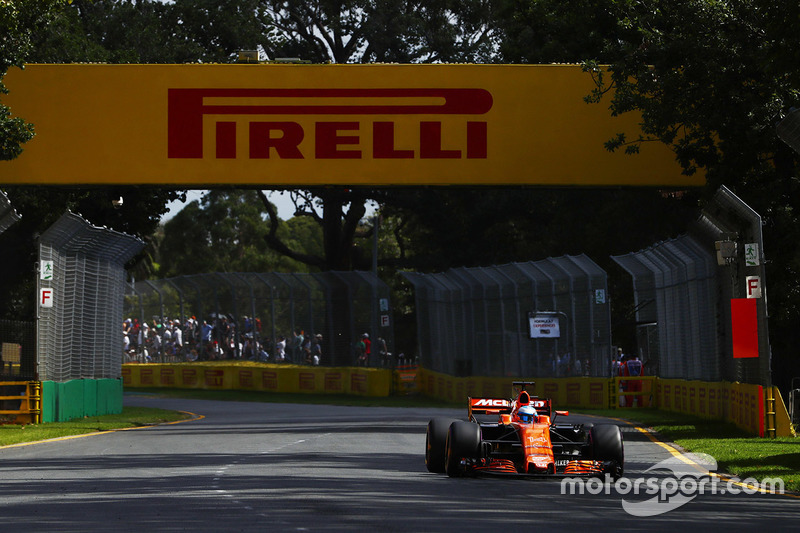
(527, 414)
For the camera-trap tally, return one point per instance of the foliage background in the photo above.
(711, 78)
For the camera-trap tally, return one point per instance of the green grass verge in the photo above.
(129, 418)
(736, 452)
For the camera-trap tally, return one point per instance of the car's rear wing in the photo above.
(489, 406)
(542, 406)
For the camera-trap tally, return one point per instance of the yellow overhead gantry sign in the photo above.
(301, 125)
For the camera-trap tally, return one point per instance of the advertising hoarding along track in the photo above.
(302, 125)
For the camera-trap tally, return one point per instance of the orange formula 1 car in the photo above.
(519, 437)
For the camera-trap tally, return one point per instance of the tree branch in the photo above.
(276, 244)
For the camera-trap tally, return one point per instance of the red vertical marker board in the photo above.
(744, 327)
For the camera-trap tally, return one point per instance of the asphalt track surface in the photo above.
(278, 467)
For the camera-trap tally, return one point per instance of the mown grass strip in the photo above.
(736, 452)
(11, 434)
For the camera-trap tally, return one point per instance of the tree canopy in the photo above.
(710, 78)
(225, 232)
(18, 22)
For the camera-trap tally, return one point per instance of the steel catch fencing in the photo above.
(684, 289)
(81, 290)
(477, 321)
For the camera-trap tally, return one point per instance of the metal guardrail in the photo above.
(631, 391)
(28, 409)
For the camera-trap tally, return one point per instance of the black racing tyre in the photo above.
(606, 441)
(463, 441)
(435, 444)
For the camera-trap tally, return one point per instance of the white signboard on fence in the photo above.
(753, 286)
(544, 326)
(46, 297)
(751, 257)
(46, 270)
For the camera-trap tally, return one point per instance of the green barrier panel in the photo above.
(89, 397)
(109, 396)
(70, 400)
(49, 396)
(80, 397)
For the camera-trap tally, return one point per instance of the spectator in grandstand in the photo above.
(361, 352)
(383, 352)
(126, 340)
(263, 356)
(307, 350)
(249, 350)
(206, 331)
(634, 368)
(367, 347)
(166, 337)
(316, 350)
(297, 346)
(615, 362)
(177, 335)
(134, 333)
(144, 333)
(280, 349)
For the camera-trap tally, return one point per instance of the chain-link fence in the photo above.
(8, 215)
(17, 339)
(675, 297)
(683, 290)
(486, 321)
(81, 290)
(17, 350)
(267, 316)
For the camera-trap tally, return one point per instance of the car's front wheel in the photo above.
(463, 442)
(435, 444)
(606, 441)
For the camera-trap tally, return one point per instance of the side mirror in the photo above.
(562, 413)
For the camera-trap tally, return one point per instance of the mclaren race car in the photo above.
(520, 437)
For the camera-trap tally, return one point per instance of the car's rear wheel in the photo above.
(463, 441)
(435, 444)
(606, 441)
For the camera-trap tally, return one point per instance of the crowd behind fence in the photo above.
(330, 319)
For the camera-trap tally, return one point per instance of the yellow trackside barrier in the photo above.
(632, 391)
(777, 417)
(266, 377)
(27, 403)
(405, 379)
(756, 409)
